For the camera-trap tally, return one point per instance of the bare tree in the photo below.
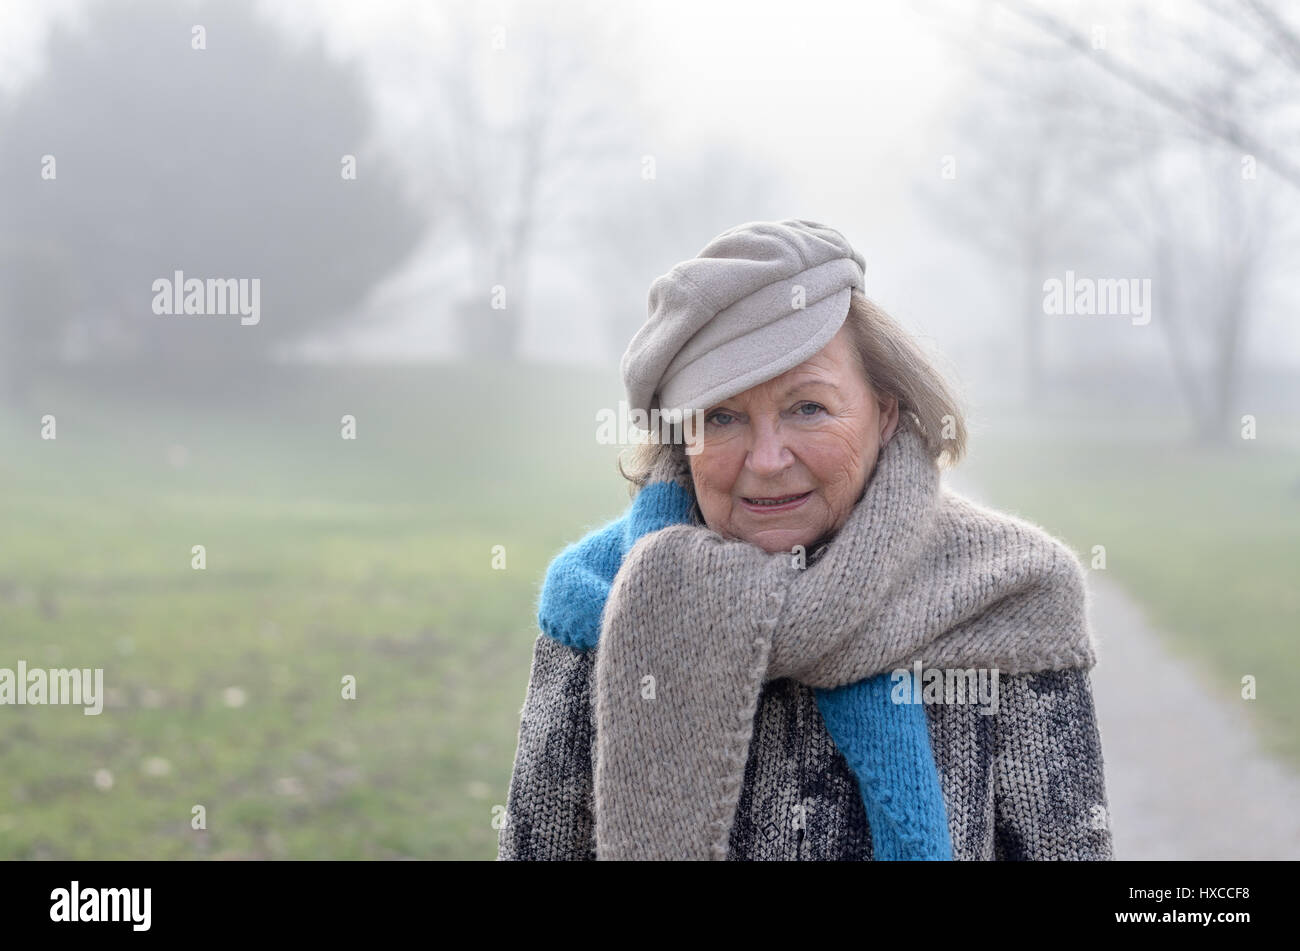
(522, 117)
(1200, 114)
(1161, 175)
(1023, 185)
(1208, 235)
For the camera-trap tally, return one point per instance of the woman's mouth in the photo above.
(781, 503)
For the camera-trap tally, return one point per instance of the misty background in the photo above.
(455, 211)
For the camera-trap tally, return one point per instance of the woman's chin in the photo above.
(777, 540)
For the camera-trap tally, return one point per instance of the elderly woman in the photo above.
(768, 655)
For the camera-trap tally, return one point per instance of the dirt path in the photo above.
(1185, 775)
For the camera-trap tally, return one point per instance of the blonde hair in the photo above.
(895, 365)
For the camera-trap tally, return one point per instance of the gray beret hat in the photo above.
(728, 318)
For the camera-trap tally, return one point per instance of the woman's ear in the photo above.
(888, 418)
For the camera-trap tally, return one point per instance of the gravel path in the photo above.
(1185, 776)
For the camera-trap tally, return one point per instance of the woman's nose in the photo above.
(768, 453)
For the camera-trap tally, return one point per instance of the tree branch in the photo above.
(1207, 122)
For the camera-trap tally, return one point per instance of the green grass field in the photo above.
(325, 557)
(373, 558)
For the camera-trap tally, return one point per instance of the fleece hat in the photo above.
(760, 299)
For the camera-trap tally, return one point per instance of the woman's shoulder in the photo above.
(1003, 557)
(1006, 540)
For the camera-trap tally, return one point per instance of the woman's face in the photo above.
(784, 462)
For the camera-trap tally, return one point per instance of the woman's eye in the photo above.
(803, 409)
(718, 417)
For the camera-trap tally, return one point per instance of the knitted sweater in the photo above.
(1026, 784)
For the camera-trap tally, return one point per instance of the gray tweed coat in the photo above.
(1023, 783)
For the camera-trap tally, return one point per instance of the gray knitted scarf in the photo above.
(917, 573)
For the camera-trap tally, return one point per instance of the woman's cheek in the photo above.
(837, 460)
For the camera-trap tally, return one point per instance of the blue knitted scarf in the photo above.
(886, 744)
